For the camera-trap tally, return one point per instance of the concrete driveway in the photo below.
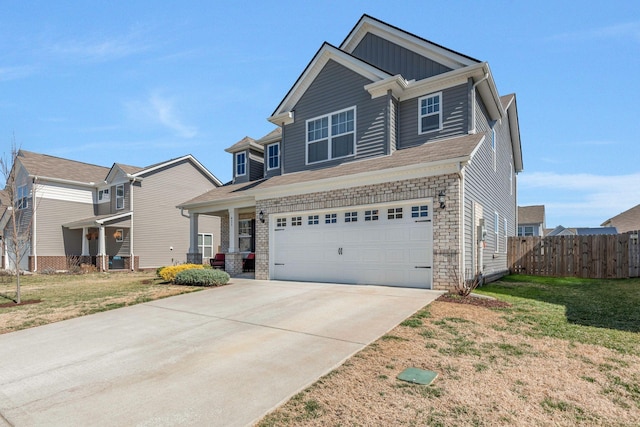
(220, 357)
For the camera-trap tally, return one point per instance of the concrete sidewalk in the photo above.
(220, 357)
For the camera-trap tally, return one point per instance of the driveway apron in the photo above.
(219, 357)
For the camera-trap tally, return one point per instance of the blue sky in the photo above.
(139, 82)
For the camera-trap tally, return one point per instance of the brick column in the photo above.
(233, 263)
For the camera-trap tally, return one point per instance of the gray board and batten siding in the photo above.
(334, 89)
(395, 59)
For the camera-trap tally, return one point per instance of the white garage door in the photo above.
(386, 245)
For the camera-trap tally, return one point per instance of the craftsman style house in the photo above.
(393, 162)
(116, 218)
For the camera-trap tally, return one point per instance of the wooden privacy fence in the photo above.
(596, 256)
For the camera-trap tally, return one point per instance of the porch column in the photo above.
(102, 250)
(85, 241)
(194, 256)
(233, 230)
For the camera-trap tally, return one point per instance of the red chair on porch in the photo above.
(249, 263)
(217, 261)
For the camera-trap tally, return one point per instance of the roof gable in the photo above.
(628, 220)
(325, 53)
(531, 214)
(50, 167)
(435, 52)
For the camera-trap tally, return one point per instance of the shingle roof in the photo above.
(531, 214)
(44, 165)
(431, 152)
(273, 136)
(628, 220)
(243, 144)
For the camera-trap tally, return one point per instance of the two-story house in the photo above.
(116, 218)
(531, 220)
(393, 162)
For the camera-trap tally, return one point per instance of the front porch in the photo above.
(237, 238)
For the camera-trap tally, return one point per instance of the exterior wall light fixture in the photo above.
(261, 217)
(442, 199)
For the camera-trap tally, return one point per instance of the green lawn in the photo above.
(590, 311)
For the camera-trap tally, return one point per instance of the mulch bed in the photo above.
(25, 302)
(472, 300)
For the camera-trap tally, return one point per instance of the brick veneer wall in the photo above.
(446, 222)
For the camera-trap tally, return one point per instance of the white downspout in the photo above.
(473, 102)
(132, 259)
(462, 218)
(34, 245)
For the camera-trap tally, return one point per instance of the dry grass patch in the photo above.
(67, 296)
(492, 371)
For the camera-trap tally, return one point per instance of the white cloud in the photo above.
(14, 73)
(622, 31)
(160, 110)
(580, 199)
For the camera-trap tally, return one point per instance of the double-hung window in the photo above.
(120, 196)
(241, 164)
(205, 244)
(273, 156)
(103, 195)
(22, 201)
(496, 229)
(430, 113)
(331, 136)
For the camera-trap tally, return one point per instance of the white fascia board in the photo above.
(282, 119)
(408, 41)
(419, 170)
(38, 178)
(514, 127)
(396, 84)
(220, 205)
(326, 53)
(138, 175)
(114, 217)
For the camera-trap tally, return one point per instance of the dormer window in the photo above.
(241, 164)
(331, 136)
(273, 156)
(430, 113)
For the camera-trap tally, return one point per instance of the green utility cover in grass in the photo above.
(417, 376)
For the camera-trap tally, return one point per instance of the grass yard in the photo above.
(566, 352)
(67, 296)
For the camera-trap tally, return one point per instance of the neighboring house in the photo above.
(581, 231)
(626, 221)
(78, 212)
(393, 162)
(531, 220)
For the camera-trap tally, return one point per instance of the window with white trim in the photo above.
(313, 220)
(496, 229)
(430, 113)
(525, 230)
(371, 215)
(281, 222)
(120, 196)
(119, 235)
(22, 201)
(506, 236)
(103, 195)
(331, 136)
(245, 235)
(394, 213)
(241, 164)
(273, 156)
(511, 178)
(296, 221)
(350, 216)
(205, 244)
(330, 218)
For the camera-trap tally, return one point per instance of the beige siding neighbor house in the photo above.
(626, 221)
(531, 220)
(118, 218)
(393, 162)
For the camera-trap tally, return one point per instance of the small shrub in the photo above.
(201, 277)
(169, 273)
(158, 270)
